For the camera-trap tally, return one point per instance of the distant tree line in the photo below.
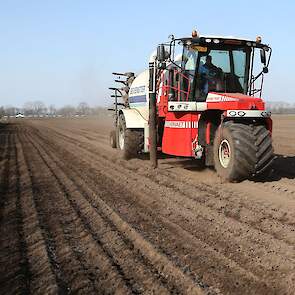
(280, 107)
(40, 109)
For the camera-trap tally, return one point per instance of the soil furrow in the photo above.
(229, 195)
(246, 259)
(24, 262)
(185, 283)
(202, 192)
(4, 168)
(71, 276)
(148, 205)
(12, 276)
(129, 267)
(42, 277)
(76, 218)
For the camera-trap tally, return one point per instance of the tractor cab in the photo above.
(218, 65)
(213, 69)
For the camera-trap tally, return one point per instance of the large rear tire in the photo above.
(130, 141)
(242, 151)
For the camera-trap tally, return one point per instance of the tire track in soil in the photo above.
(5, 144)
(264, 217)
(234, 206)
(115, 282)
(24, 263)
(213, 192)
(38, 254)
(12, 276)
(176, 176)
(89, 192)
(276, 220)
(184, 282)
(194, 276)
(246, 211)
(63, 262)
(286, 189)
(59, 224)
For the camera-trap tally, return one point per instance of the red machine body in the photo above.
(181, 127)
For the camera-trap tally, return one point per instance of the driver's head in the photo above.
(208, 59)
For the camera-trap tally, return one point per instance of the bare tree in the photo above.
(29, 108)
(67, 111)
(39, 108)
(52, 110)
(83, 108)
(10, 111)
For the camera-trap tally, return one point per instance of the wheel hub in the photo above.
(224, 153)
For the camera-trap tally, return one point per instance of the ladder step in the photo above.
(114, 88)
(118, 74)
(121, 81)
(128, 74)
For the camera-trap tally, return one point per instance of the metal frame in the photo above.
(116, 96)
(249, 79)
(252, 79)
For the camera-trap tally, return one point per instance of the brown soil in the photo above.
(76, 218)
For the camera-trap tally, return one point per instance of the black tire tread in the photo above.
(265, 153)
(133, 141)
(253, 151)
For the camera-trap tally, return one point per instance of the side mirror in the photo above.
(265, 70)
(161, 56)
(262, 56)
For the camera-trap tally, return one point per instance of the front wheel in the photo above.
(242, 151)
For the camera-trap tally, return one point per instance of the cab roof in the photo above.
(226, 40)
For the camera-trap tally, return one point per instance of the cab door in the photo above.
(180, 130)
(181, 119)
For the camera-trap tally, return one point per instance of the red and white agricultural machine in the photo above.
(201, 99)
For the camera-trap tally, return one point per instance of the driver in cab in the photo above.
(211, 76)
(209, 67)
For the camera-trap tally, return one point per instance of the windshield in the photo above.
(216, 70)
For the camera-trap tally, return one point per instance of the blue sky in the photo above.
(63, 52)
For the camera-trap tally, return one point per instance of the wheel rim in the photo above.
(121, 138)
(224, 153)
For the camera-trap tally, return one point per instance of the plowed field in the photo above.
(76, 218)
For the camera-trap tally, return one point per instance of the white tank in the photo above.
(139, 91)
(139, 94)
